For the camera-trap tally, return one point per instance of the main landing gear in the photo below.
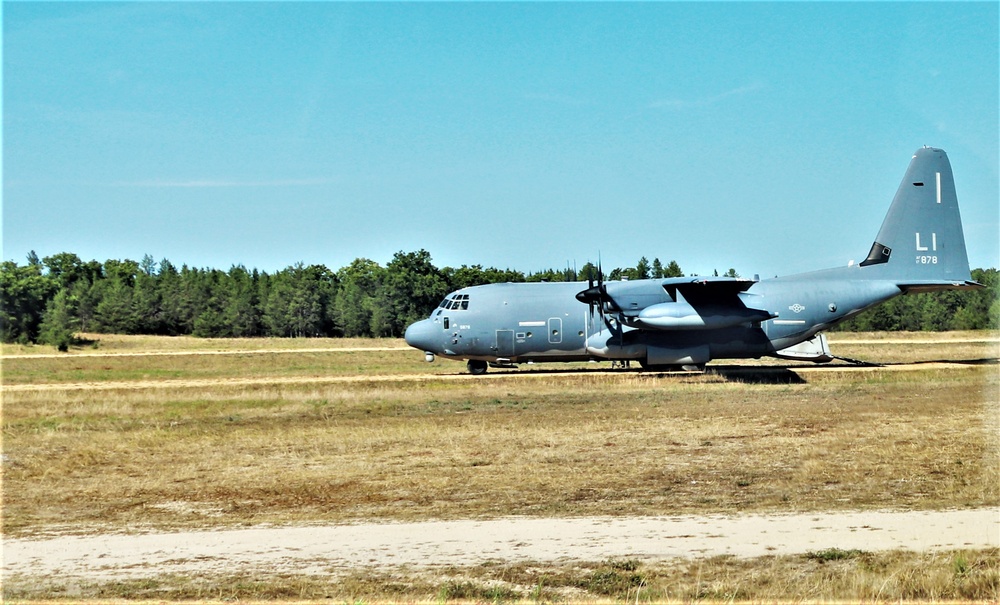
(477, 367)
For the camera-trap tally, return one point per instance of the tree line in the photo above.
(49, 300)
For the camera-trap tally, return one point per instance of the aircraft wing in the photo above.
(706, 289)
(686, 303)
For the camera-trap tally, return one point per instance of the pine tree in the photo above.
(673, 270)
(59, 323)
(657, 269)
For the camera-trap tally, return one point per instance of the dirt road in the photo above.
(315, 549)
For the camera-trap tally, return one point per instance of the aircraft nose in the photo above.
(421, 335)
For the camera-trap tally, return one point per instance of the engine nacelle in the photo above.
(602, 345)
(682, 316)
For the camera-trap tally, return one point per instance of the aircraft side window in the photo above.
(465, 305)
(446, 323)
(444, 303)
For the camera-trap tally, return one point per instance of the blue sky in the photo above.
(768, 137)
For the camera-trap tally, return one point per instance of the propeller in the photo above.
(596, 296)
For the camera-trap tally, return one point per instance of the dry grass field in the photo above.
(217, 433)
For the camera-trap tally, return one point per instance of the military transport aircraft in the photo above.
(687, 321)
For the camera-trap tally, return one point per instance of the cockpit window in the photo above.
(456, 302)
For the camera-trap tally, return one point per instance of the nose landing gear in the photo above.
(476, 367)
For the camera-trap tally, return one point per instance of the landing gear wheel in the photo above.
(476, 367)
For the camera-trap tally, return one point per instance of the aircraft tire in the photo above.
(477, 367)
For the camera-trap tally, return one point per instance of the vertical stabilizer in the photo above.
(921, 243)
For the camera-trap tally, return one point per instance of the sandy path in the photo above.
(315, 549)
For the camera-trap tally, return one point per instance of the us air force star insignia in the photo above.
(797, 308)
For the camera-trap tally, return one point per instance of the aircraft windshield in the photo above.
(457, 302)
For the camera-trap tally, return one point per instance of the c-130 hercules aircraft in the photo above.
(686, 322)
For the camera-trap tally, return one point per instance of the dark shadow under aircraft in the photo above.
(688, 321)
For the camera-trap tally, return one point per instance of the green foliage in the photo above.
(472, 591)
(642, 270)
(614, 579)
(552, 275)
(657, 269)
(960, 564)
(114, 311)
(411, 288)
(466, 276)
(48, 300)
(833, 554)
(24, 295)
(299, 300)
(59, 323)
(354, 303)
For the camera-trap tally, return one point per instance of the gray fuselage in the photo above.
(532, 322)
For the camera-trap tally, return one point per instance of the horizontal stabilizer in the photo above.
(916, 287)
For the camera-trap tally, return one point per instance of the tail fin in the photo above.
(921, 245)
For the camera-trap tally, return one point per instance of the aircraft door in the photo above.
(505, 343)
(555, 330)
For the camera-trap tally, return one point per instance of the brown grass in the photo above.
(596, 444)
(17, 371)
(558, 444)
(124, 343)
